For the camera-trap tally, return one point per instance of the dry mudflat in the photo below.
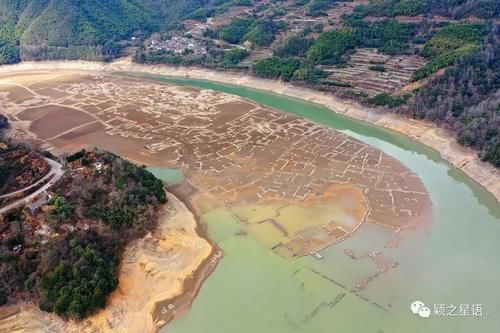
(424, 132)
(295, 186)
(234, 152)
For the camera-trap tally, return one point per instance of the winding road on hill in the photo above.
(54, 175)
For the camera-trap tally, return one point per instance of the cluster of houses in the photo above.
(179, 45)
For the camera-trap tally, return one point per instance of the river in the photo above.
(451, 262)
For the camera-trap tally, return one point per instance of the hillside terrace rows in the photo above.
(398, 71)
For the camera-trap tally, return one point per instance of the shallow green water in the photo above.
(454, 260)
(168, 175)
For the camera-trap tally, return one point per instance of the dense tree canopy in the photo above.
(456, 9)
(81, 270)
(466, 99)
(261, 32)
(295, 46)
(53, 29)
(318, 7)
(9, 41)
(449, 44)
(234, 56)
(453, 37)
(92, 215)
(409, 7)
(388, 36)
(331, 46)
(236, 30)
(276, 67)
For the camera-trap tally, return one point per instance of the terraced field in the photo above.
(360, 73)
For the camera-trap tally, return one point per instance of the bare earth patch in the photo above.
(295, 186)
(50, 120)
(231, 149)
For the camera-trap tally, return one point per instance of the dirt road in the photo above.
(54, 174)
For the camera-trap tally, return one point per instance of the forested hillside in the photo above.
(48, 29)
(86, 29)
(467, 99)
(455, 9)
(63, 251)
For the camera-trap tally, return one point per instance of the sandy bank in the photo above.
(155, 270)
(424, 132)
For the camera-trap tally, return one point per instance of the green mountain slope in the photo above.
(71, 29)
(90, 29)
(84, 29)
(89, 22)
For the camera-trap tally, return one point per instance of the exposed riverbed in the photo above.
(424, 132)
(451, 260)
